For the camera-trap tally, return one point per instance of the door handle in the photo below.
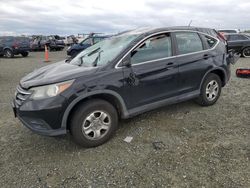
(169, 65)
(206, 56)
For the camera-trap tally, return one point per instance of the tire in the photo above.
(25, 54)
(210, 90)
(73, 53)
(8, 53)
(246, 52)
(88, 120)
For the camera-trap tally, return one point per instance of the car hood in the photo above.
(54, 73)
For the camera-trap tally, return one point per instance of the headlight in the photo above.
(49, 90)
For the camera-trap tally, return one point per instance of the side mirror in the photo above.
(126, 62)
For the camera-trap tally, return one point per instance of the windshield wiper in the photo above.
(89, 54)
(94, 51)
(97, 58)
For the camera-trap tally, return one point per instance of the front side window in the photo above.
(188, 42)
(154, 48)
(86, 42)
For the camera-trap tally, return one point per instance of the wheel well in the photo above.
(107, 97)
(221, 74)
(7, 49)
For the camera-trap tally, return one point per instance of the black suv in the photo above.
(240, 43)
(10, 46)
(121, 77)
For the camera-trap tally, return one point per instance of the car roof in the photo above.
(235, 34)
(148, 31)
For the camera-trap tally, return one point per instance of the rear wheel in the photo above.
(210, 90)
(94, 123)
(8, 53)
(246, 52)
(25, 54)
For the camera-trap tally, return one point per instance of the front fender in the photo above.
(84, 96)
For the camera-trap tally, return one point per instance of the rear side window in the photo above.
(9, 39)
(188, 42)
(237, 37)
(22, 39)
(154, 48)
(210, 41)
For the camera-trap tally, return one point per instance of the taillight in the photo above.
(244, 73)
(221, 36)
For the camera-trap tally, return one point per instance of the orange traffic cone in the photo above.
(46, 54)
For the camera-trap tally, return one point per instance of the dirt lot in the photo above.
(199, 146)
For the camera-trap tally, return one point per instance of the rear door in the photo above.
(23, 42)
(193, 60)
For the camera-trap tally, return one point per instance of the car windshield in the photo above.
(104, 51)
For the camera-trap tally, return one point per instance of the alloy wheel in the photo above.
(212, 90)
(246, 52)
(96, 125)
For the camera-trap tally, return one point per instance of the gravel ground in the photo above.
(195, 146)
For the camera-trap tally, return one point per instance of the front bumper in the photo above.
(43, 117)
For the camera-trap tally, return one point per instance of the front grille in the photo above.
(21, 95)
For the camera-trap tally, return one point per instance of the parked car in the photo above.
(52, 43)
(10, 46)
(228, 30)
(70, 40)
(240, 43)
(121, 77)
(89, 41)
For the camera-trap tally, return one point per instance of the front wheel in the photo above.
(8, 53)
(210, 90)
(93, 123)
(246, 52)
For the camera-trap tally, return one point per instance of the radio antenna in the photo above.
(190, 23)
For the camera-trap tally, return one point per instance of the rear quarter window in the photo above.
(211, 42)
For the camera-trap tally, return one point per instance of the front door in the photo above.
(152, 76)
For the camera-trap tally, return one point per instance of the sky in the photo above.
(65, 17)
